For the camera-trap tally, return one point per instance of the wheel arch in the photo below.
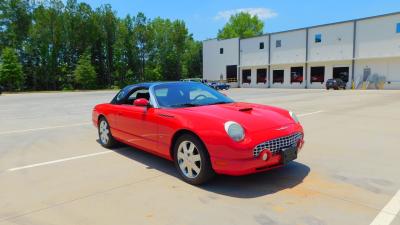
(180, 133)
(99, 117)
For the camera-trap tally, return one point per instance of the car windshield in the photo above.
(188, 94)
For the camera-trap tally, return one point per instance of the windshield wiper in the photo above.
(184, 105)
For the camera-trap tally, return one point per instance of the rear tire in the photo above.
(192, 160)
(105, 137)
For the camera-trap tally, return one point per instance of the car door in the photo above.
(138, 125)
(112, 113)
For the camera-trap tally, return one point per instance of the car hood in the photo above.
(253, 117)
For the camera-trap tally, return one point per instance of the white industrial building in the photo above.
(365, 53)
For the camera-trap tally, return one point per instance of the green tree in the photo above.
(11, 75)
(169, 40)
(242, 25)
(125, 60)
(85, 75)
(46, 45)
(15, 20)
(193, 59)
(143, 44)
(51, 36)
(109, 22)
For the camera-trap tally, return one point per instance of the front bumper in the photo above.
(332, 86)
(95, 116)
(240, 167)
(239, 159)
(243, 167)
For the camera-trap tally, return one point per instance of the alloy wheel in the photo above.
(189, 159)
(104, 132)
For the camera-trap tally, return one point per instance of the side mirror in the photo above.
(141, 102)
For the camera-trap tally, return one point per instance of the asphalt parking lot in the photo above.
(53, 171)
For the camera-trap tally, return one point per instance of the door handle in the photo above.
(165, 115)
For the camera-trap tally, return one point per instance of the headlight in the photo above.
(234, 130)
(294, 117)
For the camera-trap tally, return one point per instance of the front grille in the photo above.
(276, 145)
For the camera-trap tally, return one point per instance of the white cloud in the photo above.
(262, 13)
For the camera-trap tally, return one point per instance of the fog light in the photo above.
(265, 155)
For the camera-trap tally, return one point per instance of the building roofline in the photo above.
(322, 25)
(210, 39)
(262, 35)
(336, 23)
(216, 39)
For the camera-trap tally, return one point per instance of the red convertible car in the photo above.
(203, 131)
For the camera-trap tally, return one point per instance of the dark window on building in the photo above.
(261, 45)
(231, 73)
(296, 75)
(398, 28)
(278, 43)
(278, 76)
(318, 38)
(261, 76)
(341, 73)
(318, 74)
(246, 76)
(221, 51)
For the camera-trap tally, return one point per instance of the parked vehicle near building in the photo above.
(203, 131)
(192, 80)
(335, 84)
(219, 85)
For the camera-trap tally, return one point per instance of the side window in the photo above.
(162, 92)
(121, 95)
(138, 93)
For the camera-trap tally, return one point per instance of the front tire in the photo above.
(192, 160)
(105, 136)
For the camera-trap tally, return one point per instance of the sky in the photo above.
(205, 17)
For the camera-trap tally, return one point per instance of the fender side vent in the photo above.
(245, 109)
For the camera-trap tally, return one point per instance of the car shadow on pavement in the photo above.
(249, 186)
(260, 184)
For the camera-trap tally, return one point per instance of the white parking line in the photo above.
(389, 212)
(58, 161)
(311, 113)
(43, 128)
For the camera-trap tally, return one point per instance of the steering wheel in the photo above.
(198, 96)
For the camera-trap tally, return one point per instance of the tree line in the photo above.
(49, 45)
